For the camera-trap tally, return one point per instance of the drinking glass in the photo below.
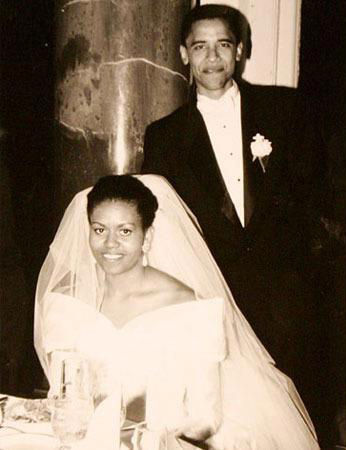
(72, 408)
(70, 419)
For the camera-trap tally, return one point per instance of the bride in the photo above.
(119, 286)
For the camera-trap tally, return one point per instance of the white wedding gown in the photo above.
(197, 362)
(177, 357)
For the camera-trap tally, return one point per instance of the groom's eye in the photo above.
(226, 44)
(198, 47)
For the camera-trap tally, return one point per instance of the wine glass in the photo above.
(75, 378)
(70, 419)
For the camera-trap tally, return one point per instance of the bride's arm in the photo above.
(203, 403)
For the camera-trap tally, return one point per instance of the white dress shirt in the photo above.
(223, 121)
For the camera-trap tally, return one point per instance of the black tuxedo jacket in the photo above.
(178, 147)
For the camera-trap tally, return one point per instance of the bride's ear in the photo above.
(147, 239)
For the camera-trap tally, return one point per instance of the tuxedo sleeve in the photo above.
(155, 152)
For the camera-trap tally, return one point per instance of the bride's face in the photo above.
(116, 236)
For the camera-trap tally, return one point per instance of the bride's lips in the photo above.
(111, 257)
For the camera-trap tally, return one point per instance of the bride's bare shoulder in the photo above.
(169, 289)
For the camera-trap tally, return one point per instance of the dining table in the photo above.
(25, 425)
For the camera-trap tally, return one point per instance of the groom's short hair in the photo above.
(230, 16)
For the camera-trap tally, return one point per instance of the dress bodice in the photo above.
(155, 354)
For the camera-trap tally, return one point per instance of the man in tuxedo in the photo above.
(242, 159)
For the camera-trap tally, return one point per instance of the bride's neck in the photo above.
(121, 286)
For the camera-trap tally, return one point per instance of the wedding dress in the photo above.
(197, 363)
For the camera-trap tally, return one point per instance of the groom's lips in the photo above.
(212, 70)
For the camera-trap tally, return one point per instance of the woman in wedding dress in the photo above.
(130, 285)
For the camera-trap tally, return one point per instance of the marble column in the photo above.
(117, 69)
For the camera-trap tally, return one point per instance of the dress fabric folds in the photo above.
(196, 363)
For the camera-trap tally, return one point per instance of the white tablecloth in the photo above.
(29, 436)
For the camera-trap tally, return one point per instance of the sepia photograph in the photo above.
(173, 224)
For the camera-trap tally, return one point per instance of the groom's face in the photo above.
(212, 51)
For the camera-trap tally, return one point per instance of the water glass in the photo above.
(70, 419)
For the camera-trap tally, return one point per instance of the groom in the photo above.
(242, 159)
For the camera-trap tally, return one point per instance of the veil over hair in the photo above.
(177, 248)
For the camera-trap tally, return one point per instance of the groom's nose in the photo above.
(212, 53)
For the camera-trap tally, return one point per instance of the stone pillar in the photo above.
(117, 69)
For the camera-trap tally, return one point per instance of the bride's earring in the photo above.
(144, 259)
(146, 246)
(145, 249)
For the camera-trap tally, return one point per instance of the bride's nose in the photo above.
(112, 240)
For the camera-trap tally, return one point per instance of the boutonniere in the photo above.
(260, 148)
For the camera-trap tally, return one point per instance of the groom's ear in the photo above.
(147, 239)
(184, 55)
(239, 51)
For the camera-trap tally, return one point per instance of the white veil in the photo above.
(178, 249)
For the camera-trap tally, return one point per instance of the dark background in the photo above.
(27, 165)
(27, 161)
(322, 75)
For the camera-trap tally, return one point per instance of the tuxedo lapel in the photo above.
(201, 157)
(253, 172)
(203, 163)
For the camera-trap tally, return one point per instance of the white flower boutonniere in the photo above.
(260, 148)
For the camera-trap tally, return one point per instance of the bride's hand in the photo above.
(196, 434)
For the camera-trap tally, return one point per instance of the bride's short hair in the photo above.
(127, 189)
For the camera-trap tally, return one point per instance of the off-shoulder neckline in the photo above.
(160, 310)
(146, 314)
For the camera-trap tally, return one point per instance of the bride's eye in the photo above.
(125, 232)
(99, 230)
